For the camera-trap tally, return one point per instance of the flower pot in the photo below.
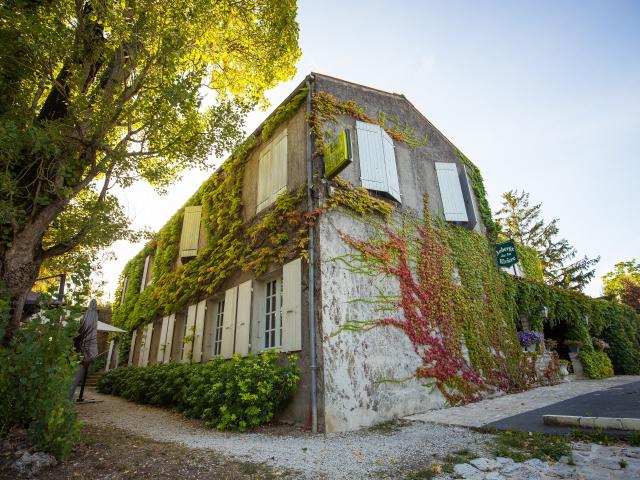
(563, 370)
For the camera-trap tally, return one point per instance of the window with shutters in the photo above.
(190, 235)
(273, 313)
(453, 204)
(218, 328)
(378, 168)
(272, 171)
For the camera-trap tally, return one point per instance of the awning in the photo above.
(105, 327)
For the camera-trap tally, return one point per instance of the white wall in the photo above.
(355, 362)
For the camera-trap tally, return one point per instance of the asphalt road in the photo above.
(617, 402)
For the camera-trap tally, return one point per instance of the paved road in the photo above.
(618, 401)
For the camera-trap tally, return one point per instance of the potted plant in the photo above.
(574, 345)
(529, 339)
(563, 367)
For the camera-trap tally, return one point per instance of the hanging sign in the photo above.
(337, 154)
(506, 254)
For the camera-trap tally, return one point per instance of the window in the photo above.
(190, 235)
(218, 328)
(123, 292)
(378, 169)
(272, 171)
(147, 272)
(273, 314)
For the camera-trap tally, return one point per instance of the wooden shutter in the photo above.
(292, 306)
(264, 179)
(243, 318)
(279, 166)
(201, 311)
(143, 280)
(171, 322)
(147, 345)
(373, 172)
(190, 231)
(390, 165)
(229, 322)
(163, 340)
(132, 347)
(451, 192)
(189, 333)
(123, 293)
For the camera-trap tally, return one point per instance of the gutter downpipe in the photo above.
(312, 258)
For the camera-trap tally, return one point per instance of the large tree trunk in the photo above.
(20, 267)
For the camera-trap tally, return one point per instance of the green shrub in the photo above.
(236, 393)
(36, 371)
(596, 364)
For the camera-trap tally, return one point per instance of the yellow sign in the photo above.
(337, 154)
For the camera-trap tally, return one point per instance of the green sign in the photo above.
(506, 254)
(337, 154)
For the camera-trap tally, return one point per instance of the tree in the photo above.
(623, 283)
(97, 93)
(522, 222)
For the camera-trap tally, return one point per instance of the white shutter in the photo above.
(163, 340)
(123, 293)
(143, 281)
(390, 165)
(229, 322)
(199, 331)
(264, 179)
(243, 320)
(189, 333)
(132, 347)
(147, 345)
(292, 306)
(109, 355)
(143, 345)
(372, 164)
(451, 192)
(279, 166)
(190, 231)
(171, 322)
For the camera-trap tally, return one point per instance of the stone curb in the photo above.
(593, 422)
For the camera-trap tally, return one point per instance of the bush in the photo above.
(36, 371)
(236, 393)
(596, 364)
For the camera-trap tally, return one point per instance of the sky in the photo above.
(542, 96)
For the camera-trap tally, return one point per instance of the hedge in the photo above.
(235, 394)
(596, 364)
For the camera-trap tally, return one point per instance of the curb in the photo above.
(592, 422)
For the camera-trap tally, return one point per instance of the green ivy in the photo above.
(596, 364)
(477, 183)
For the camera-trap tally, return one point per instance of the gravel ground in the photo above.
(391, 450)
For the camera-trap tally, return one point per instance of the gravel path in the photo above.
(385, 452)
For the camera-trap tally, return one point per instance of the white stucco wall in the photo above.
(355, 362)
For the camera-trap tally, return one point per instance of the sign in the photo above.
(337, 154)
(506, 254)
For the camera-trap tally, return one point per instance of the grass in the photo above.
(392, 426)
(634, 439)
(459, 456)
(522, 446)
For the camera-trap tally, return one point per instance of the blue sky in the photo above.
(542, 96)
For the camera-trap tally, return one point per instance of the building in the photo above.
(250, 262)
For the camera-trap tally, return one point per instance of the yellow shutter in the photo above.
(243, 320)
(264, 179)
(292, 306)
(189, 333)
(171, 321)
(190, 231)
(279, 166)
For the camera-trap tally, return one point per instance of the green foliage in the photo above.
(529, 262)
(358, 200)
(583, 317)
(596, 364)
(477, 183)
(283, 114)
(36, 370)
(522, 446)
(634, 438)
(520, 221)
(237, 393)
(614, 282)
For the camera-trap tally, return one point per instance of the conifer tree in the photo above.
(521, 221)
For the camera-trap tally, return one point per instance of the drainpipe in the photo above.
(312, 258)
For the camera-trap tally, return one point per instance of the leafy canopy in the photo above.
(519, 220)
(100, 93)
